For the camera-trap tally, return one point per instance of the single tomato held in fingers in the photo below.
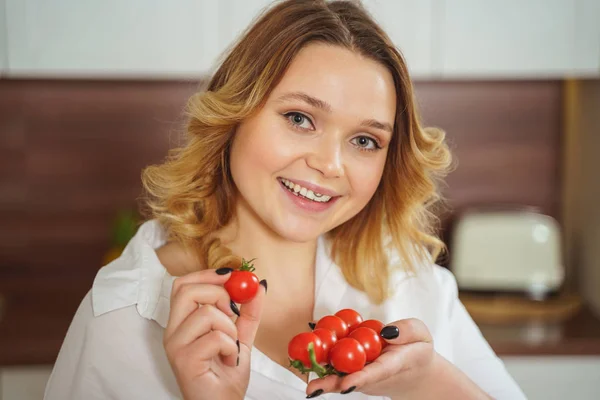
(298, 348)
(377, 326)
(242, 285)
(370, 341)
(350, 317)
(334, 324)
(328, 339)
(347, 356)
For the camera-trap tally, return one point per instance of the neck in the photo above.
(277, 259)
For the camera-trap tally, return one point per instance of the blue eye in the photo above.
(365, 143)
(298, 120)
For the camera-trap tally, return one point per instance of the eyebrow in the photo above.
(325, 106)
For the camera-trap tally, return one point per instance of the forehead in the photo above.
(352, 84)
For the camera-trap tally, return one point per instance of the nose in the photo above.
(326, 157)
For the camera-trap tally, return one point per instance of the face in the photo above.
(312, 157)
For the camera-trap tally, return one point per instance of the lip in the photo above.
(313, 187)
(306, 204)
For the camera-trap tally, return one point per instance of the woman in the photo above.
(306, 153)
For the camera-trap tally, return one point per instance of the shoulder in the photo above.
(430, 291)
(425, 275)
(122, 327)
(117, 354)
(137, 278)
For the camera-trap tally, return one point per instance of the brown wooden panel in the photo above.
(506, 138)
(71, 153)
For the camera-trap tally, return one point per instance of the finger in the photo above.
(193, 295)
(213, 344)
(199, 323)
(384, 366)
(406, 331)
(249, 319)
(206, 276)
(390, 363)
(329, 384)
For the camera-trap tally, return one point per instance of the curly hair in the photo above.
(192, 192)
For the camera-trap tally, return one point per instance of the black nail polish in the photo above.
(264, 283)
(314, 394)
(238, 345)
(349, 390)
(390, 332)
(223, 271)
(234, 308)
(312, 326)
(237, 363)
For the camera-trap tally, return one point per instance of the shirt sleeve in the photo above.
(473, 355)
(117, 355)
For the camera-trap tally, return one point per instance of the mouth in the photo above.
(306, 193)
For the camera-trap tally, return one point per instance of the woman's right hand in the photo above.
(200, 339)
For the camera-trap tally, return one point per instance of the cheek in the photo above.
(364, 180)
(258, 148)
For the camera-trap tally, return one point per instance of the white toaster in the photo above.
(507, 251)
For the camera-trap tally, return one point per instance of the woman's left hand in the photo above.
(407, 368)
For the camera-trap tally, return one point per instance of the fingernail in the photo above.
(312, 325)
(314, 394)
(350, 389)
(390, 332)
(238, 345)
(264, 283)
(223, 271)
(237, 363)
(234, 308)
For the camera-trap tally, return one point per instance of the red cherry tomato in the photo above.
(328, 339)
(335, 324)
(298, 348)
(370, 340)
(377, 326)
(348, 356)
(242, 285)
(350, 317)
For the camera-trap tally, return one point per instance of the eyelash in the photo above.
(288, 117)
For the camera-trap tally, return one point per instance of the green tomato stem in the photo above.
(316, 367)
(247, 266)
(299, 366)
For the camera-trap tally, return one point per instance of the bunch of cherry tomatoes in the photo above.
(339, 344)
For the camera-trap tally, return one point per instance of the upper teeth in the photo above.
(318, 197)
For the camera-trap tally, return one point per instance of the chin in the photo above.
(298, 234)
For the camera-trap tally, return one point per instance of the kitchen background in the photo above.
(92, 91)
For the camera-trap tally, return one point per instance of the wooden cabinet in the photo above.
(24, 383)
(441, 39)
(555, 377)
(3, 39)
(516, 38)
(133, 38)
(587, 38)
(235, 16)
(411, 26)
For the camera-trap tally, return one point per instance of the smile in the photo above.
(304, 192)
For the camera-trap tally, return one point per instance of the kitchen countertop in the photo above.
(579, 335)
(36, 318)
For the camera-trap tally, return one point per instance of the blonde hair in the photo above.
(192, 192)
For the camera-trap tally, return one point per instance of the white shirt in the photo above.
(113, 348)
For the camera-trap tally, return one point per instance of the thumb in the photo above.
(249, 319)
